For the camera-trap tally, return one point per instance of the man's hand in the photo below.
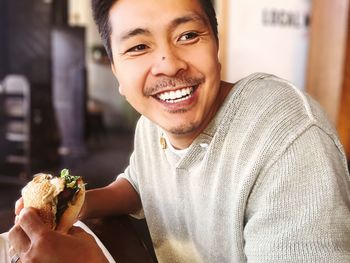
(18, 207)
(33, 241)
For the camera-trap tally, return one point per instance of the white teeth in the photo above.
(174, 96)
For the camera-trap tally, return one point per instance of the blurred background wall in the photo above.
(267, 36)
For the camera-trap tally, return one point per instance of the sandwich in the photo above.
(58, 199)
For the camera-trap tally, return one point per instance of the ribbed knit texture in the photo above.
(272, 186)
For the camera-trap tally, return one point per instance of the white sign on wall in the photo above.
(268, 36)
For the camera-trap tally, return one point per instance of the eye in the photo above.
(137, 48)
(188, 36)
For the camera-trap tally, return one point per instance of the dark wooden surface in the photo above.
(3, 35)
(7, 219)
(121, 239)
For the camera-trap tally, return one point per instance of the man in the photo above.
(222, 172)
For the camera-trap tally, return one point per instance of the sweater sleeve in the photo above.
(131, 176)
(299, 208)
(131, 172)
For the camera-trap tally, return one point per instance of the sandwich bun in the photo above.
(57, 199)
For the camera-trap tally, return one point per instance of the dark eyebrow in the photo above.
(188, 18)
(134, 32)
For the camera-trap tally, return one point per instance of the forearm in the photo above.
(117, 198)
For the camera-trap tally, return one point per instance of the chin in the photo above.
(183, 129)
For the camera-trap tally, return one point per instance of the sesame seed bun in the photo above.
(42, 193)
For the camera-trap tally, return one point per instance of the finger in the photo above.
(31, 223)
(12, 251)
(18, 239)
(19, 206)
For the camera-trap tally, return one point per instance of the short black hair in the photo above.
(100, 12)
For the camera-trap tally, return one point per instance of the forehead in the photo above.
(129, 14)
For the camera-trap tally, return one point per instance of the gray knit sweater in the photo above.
(266, 181)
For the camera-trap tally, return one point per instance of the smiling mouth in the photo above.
(176, 95)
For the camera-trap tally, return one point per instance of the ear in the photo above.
(116, 76)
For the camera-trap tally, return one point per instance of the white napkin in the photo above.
(98, 241)
(4, 244)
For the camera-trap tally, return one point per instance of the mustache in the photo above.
(166, 83)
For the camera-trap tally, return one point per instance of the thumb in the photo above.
(31, 223)
(18, 206)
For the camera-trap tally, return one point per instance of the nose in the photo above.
(168, 62)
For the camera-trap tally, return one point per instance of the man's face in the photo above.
(165, 59)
